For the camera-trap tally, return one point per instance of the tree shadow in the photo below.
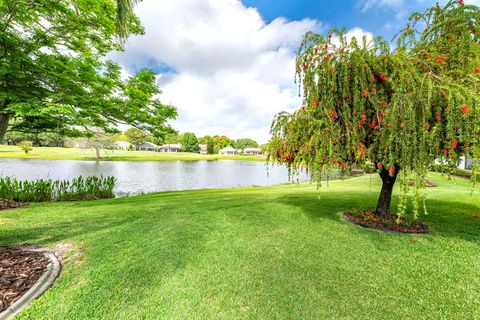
(464, 223)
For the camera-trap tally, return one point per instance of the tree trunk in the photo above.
(4, 118)
(385, 199)
(97, 153)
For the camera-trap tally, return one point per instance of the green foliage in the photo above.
(57, 190)
(26, 146)
(221, 142)
(189, 142)
(210, 146)
(398, 107)
(245, 143)
(135, 136)
(172, 138)
(56, 77)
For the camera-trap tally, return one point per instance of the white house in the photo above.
(202, 148)
(170, 148)
(121, 145)
(229, 150)
(148, 146)
(252, 151)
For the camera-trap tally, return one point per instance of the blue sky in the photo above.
(228, 65)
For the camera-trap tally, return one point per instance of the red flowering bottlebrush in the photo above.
(391, 171)
(454, 144)
(429, 73)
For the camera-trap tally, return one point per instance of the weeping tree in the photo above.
(124, 14)
(399, 108)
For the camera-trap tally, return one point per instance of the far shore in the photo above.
(116, 155)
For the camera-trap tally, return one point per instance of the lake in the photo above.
(152, 176)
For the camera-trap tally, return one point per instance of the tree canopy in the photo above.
(54, 73)
(189, 142)
(400, 107)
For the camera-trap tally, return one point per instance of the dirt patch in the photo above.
(19, 270)
(10, 204)
(368, 219)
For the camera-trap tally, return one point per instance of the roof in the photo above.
(252, 150)
(122, 143)
(171, 146)
(146, 143)
(229, 148)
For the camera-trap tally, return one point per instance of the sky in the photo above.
(229, 65)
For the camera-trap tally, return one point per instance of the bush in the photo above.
(26, 146)
(89, 188)
(454, 171)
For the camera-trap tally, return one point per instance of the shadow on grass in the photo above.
(463, 222)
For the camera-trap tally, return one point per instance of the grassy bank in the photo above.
(256, 253)
(114, 155)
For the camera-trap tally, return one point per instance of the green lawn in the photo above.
(278, 252)
(114, 155)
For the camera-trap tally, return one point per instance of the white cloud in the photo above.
(231, 70)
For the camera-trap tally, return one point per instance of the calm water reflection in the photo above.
(151, 176)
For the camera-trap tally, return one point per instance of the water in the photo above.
(152, 176)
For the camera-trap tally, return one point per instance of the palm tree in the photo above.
(124, 10)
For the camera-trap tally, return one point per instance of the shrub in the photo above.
(42, 190)
(26, 146)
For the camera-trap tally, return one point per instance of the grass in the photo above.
(115, 155)
(278, 252)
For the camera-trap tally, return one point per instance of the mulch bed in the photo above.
(428, 184)
(10, 204)
(19, 271)
(368, 219)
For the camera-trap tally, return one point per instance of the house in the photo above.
(170, 148)
(228, 151)
(148, 146)
(464, 163)
(252, 151)
(121, 145)
(202, 148)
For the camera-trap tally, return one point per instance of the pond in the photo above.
(152, 176)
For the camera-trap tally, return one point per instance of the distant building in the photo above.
(202, 148)
(121, 145)
(148, 146)
(229, 151)
(252, 151)
(170, 148)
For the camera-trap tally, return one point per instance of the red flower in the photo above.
(317, 102)
(374, 79)
(426, 127)
(377, 128)
(465, 109)
(438, 117)
(477, 70)
(402, 125)
(380, 119)
(454, 143)
(315, 51)
(391, 171)
(445, 151)
(330, 36)
(379, 166)
(382, 77)
(408, 26)
(461, 1)
(359, 125)
(330, 56)
(440, 59)
(325, 47)
(373, 124)
(364, 117)
(389, 125)
(304, 66)
(416, 18)
(344, 166)
(365, 93)
(374, 91)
